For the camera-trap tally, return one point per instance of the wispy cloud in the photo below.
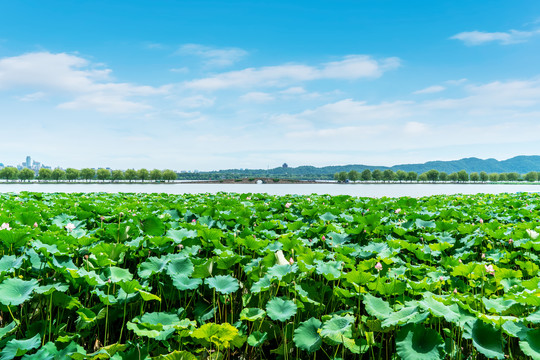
(430, 90)
(67, 75)
(350, 68)
(213, 57)
(473, 38)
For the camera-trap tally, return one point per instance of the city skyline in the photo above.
(208, 86)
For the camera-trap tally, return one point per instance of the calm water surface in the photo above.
(369, 190)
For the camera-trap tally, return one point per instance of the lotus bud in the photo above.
(460, 261)
(109, 281)
(102, 218)
(483, 256)
(193, 221)
(510, 241)
(323, 238)
(441, 278)
(288, 205)
(481, 221)
(291, 261)
(455, 290)
(35, 224)
(180, 246)
(378, 266)
(86, 256)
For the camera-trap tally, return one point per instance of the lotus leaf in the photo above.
(257, 338)
(337, 328)
(306, 336)
(220, 335)
(182, 282)
(224, 284)
(252, 314)
(281, 310)
(16, 348)
(415, 341)
(16, 291)
(486, 339)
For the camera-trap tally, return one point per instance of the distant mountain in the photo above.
(520, 164)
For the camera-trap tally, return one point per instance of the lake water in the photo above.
(364, 190)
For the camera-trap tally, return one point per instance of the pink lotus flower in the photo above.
(397, 211)
(483, 256)
(70, 227)
(481, 221)
(323, 238)
(510, 241)
(455, 290)
(5, 226)
(35, 224)
(288, 205)
(378, 266)
(193, 221)
(180, 246)
(490, 269)
(291, 261)
(441, 278)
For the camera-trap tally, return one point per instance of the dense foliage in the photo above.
(133, 276)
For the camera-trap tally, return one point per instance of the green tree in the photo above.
(103, 174)
(342, 176)
(155, 175)
(45, 174)
(130, 174)
(376, 175)
(432, 175)
(117, 175)
(9, 173)
(412, 176)
(484, 176)
(503, 177)
(423, 177)
(388, 175)
(493, 177)
(443, 176)
(401, 175)
(474, 177)
(142, 174)
(72, 174)
(462, 176)
(366, 175)
(531, 176)
(353, 175)
(169, 175)
(26, 174)
(58, 174)
(513, 176)
(453, 177)
(88, 174)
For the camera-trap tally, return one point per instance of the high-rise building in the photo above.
(28, 162)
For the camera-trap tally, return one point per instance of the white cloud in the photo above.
(456, 82)
(181, 70)
(196, 101)
(216, 57)
(472, 38)
(257, 97)
(351, 67)
(295, 90)
(32, 97)
(430, 90)
(70, 75)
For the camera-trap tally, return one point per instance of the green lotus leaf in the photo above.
(438, 309)
(516, 329)
(8, 329)
(257, 338)
(414, 341)
(156, 325)
(279, 271)
(152, 265)
(49, 289)
(116, 274)
(224, 284)
(530, 345)
(159, 318)
(497, 305)
(16, 291)
(176, 355)
(331, 270)
(337, 240)
(263, 284)
(182, 282)
(181, 266)
(281, 310)
(377, 307)
(486, 339)
(328, 217)
(408, 315)
(16, 348)
(10, 263)
(178, 235)
(152, 225)
(130, 287)
(252, 314)
(148, 296)
(220, 335)
(306, 336)
(337, 328)
(534, 317)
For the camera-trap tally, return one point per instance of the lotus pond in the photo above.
(254, 276)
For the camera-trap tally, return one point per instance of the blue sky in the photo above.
(251, 84)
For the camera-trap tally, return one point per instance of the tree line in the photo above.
(87, 174)
(432, 176)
